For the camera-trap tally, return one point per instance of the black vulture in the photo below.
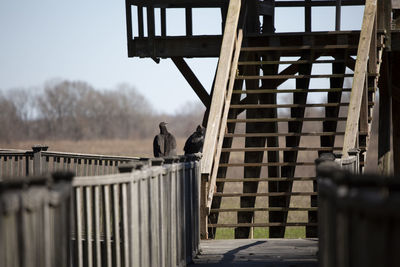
(164, 144)
(194, 143)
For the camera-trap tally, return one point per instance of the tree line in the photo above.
(75, 110)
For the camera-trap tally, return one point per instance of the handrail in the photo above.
(360, 72)
(220, 87)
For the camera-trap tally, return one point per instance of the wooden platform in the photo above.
(258, 252)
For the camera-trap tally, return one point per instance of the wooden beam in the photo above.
(177, 46)
(338, 14)
(220, 87)
(191, 78)
(189, 21)
(359, 77)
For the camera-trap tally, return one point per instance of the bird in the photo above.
(195, 142)
(164, 144)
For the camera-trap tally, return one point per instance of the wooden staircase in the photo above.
(288, 105)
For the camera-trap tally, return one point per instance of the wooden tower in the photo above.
(279, 100)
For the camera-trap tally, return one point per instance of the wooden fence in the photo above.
(145, 217)
(359, 219)
(34, 221)
(38, 161)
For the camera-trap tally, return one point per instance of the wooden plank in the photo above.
(285, 77)
(359, 77)
(224, 119)
(273, 91)
(97, 229)
(286, 62)
(240, 180)
(107, 225)
(116, 224)
(191, 78)
(285, 119)
(219, 90)
(273, 194)
(140, 22)
(281, 149)
(88, 217)
(307, 16)
(262, 209)
(258, 164)
(78, 225)
(125, 228)
(289, 224)
(261, 106)
(294, 48)
(338, 13)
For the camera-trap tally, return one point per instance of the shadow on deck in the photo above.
(262, 252)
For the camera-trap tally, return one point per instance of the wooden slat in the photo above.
(261, 209)
(289, 224)
(78, 225)
(97, 228)
(262, 106)
(219, 90)
(116, 224)
(124, 193)
(281, 134)
(89, 231)
(293, 48)
(285, 119)
(359, 77)
(255, 149)
(273, 91)
(285, 62)
(270, 194)
(279, 76)
(275, 179)
(259, 164)
(107, 225)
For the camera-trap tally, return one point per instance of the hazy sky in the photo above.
(86, 40)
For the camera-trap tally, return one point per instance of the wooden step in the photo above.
(262, 209)
(287, 62)
(259, 149)
(285, 77)
(266, 106)
(268, 164)
(282, 134)
(296, 48)
(270, 179)
(270, 194)
(285, 119)
(274, 91)
(288, 224)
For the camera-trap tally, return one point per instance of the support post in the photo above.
(37, 159)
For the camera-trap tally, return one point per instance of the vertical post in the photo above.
(163, 22)
(203, 211)
(307, 16)
(189, 22)
(37, 158)
(338, 14)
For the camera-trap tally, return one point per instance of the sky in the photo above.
(86, 40)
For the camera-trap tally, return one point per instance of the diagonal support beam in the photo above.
(191, 78)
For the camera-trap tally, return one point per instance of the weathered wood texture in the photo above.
(38, 161)
(147, 217)
(360, 71)
(34, 221)
(365, 204)
(260, 252)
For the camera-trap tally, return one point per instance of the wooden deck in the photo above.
(258, 252)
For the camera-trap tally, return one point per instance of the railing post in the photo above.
(203, 211)
(37, 158)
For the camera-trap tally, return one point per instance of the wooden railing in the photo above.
(19, 163)
(145, 217)
(219, 107)
(34, 221)
(358, 95)
(358, 218)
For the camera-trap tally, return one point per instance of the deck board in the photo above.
(258, 252)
